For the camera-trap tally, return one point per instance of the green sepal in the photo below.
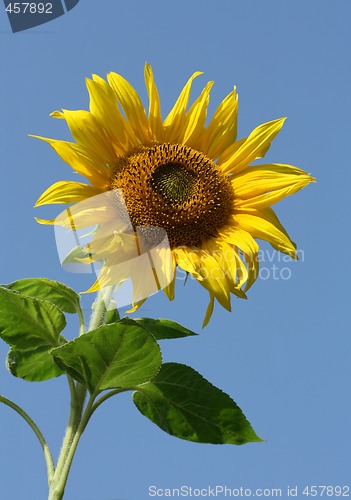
(59, 294)
(184, 404)
(122, 355)
(35, 365)
(164, 328)
(28, 323)
(112, 316)
(76, 255)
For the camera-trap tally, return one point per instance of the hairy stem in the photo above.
(78, 417)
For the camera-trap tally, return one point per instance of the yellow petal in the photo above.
(263, 185)
(209, 311)
(82, 160)
(95, 287)
(88, 132)
(98, 210)
(118, 247)
(45, 221)
(175, 120)
(255, 146)
(196, 118)
(169, 290)
(104, 106)
(107, 277)
(229, 151)
(235, 271)
(205, 269)
(248, 247)
(253, 266)
(164, 268)
(240, 238)
(222, 129)
(132, 106)
(67, 192)
(214, 280)
(155, 118)
(136, 306)
(229, 261)
(265, 225)
(187, 260)
(57, 114)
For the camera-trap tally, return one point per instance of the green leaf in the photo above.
(59, 294)
(118, 355)
(112, 316)
(28, 323)
(181, 402)
(35, 365)
(164, 328)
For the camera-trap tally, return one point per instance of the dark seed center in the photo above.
(174, 183)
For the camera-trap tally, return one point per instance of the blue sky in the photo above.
(284, 354)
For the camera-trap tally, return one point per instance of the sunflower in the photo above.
(194, 181)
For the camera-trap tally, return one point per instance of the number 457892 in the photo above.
(29, 8)
(327, 491)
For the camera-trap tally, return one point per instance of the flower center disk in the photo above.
(176, 188)
(174, 182)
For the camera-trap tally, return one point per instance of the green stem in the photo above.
(99, 307)
(47, 454)
(81, 321)
(59, 480)
(109, 395)
(89, 410)
(77, 418)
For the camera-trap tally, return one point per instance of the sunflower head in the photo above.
(191, 179)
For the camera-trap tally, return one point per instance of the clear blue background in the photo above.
(283, 355)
